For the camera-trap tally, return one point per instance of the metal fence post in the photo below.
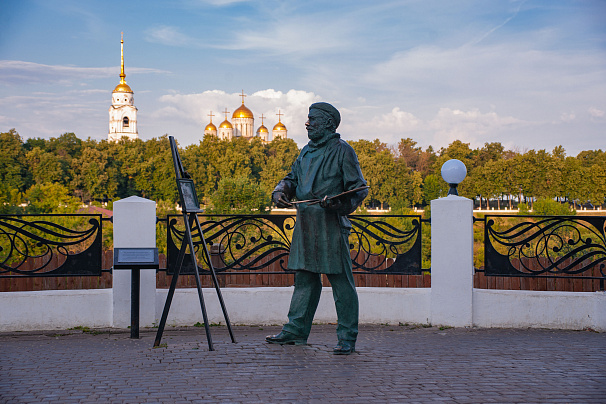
(134, 227)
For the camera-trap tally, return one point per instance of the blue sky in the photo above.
(529, 74)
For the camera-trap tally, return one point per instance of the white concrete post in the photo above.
(452, 261)
(134, 227)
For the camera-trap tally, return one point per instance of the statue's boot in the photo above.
(344, 348)
(286, 338)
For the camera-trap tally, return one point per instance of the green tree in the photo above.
(13, 161)
(281, 154)
(238, 195)
(433, 188)
(490, 152)
(155, 178)
(10, 200)
(35, 142)
(50, 198)
(94, 173)
(546, 207)
(378, 167)
(46, 167)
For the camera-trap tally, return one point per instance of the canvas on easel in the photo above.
(190, 209)
(187, 193)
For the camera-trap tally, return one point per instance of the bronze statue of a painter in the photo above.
(327, 166)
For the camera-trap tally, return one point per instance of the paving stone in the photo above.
(407, 364)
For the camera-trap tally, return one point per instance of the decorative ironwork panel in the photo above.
(50, 245)
(376, 239)
(379, 244)
(545, 246)
(237, 242)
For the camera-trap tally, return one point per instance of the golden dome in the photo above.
(210, 127)
(226, 125)
(279, 126)
(122, 88)
(243, 112)
(262, 129)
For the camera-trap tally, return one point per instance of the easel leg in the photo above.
(215, 281)
(171, 292)
(189, 223)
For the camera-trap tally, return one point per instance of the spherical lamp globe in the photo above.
(453, 172)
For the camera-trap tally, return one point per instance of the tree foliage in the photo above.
(239, 175)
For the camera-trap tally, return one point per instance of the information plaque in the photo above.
(136, 258)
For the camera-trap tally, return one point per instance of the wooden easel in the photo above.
(191, 208)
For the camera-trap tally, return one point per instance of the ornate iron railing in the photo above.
(545, 246)
(388, 244)
(48, 245)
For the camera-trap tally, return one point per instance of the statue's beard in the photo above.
(317, 134)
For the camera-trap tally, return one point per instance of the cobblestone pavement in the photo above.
(403, 363)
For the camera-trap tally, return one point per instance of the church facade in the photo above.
(123, 117)
(122, 112)
(242, 125)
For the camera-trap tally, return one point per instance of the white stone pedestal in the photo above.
(134, 227)
(452, 261)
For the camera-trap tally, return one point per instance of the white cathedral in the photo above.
(242, 125)
(122, 112)
(123, 117)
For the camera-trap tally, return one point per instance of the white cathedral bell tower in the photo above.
(122, 112)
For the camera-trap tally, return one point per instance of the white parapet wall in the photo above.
(63, 309)
(269, 306)
(523, 308)
(55, 309)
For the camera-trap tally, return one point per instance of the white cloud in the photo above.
(596, 113)
(14, 72)
(270, 93)
(470, 126)
(167, 35)
(446, 125)
(193, 110)
(492, 73)
(295, 36)
(567, 116)
(50, 114)
(397, 120)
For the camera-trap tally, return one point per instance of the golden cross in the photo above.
(242, 95)
(225, 112)
(262, 117)
(211, 116)
(279, 116)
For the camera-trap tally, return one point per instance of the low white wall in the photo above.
(55, 309)
(539, 309)
(62, 309)
(270, 305)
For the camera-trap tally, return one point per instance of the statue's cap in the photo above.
(329, 109)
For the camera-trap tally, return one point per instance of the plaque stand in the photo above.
(135, 259)
(191, 208)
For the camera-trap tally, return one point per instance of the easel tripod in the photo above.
(191, 208)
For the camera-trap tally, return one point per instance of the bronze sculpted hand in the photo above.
(333, 204)
(280, 199)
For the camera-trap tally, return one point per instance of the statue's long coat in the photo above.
(320, 239)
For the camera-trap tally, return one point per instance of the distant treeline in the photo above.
(59, 174)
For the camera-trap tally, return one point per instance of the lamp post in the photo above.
(453, 172)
